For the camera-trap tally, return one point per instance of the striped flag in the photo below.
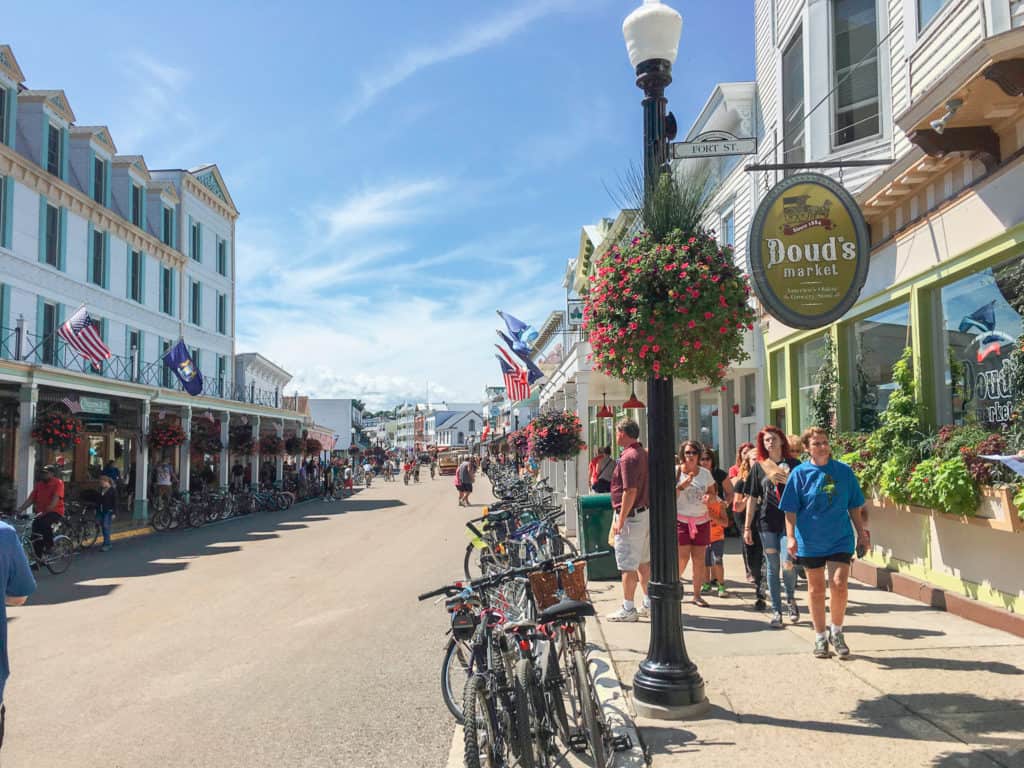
(517, 384)
(72, 404)
(82, 335)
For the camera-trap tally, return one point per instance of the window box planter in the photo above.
(996, 511)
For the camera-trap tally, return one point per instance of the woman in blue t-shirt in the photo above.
(820, 501)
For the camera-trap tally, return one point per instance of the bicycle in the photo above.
(79, 524)
(57, 559)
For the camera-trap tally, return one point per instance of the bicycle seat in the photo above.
(566, 609)
(515, 626)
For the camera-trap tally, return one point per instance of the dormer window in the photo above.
(99, 180)
(3, 115)
(136, 205)
(53, 149)
(168, 227)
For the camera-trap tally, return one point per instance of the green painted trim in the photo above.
(842, 364)
(45, 149)
(106, 260)
(90, 252)
(65, 145)
(5, 308)
(92, 174)
(42, 228)
(923, 341)
(12, 116)
(792, 391)
(142, 278)
(62, 246)
(40, 301)
(108, 170)
(6, 234)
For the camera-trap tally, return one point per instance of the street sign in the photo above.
(713, 144)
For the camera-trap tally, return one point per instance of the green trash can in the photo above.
(594, 521)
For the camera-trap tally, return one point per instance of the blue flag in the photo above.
(983, 318)
(180, 361)
(534, 372)
(520, 331)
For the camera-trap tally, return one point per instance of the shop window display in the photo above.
(981, 321)
(709, 420)
(809, 359)
(878, 342)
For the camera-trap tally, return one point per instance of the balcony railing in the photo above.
(16, 344)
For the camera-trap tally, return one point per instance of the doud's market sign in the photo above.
(809, 251)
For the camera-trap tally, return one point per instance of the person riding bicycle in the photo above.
(367, 472)
(48, 498)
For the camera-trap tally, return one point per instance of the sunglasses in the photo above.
(690, 453)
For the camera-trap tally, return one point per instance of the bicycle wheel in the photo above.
(590, 709)
(454, 673)
(88, 532)
(530, 712)
(196, 514)
(554, 686)
(481, 562)
(58, 559)
(479, 730)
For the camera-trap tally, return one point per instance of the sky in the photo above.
(402, 169)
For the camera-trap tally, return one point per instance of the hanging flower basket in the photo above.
(206, 437)
(555, 435)
(519, 440)
(293, 445)
(676, 308)
(271, 445)
(240, 439)
(313, 446)
(55, 430)
(166, 434)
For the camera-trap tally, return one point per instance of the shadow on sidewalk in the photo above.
(955, 665)
(148, 555)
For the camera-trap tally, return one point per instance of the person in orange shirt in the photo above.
(714, 555)
(48, 498)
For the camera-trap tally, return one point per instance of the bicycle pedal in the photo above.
(621, 743)
(578, 743)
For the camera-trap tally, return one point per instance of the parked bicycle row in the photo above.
(516, 671)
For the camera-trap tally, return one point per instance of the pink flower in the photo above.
(696, 345)
(691, 324)
(708, 315)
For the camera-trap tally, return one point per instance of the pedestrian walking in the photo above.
(464, 481)
(765, 486)
(17, 583)
(631, 529)
(718, 511)
(822, 503)
(165, 477)
(106, 509)
(738, 474)
(695, 487)
(601, 476)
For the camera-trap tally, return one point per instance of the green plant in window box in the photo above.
(823, 402)
(945, 485)
(899, 425)
(892, 480)
(1018, 501)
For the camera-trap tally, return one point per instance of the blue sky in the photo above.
(402, 168)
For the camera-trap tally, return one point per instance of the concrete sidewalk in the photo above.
(921, 688)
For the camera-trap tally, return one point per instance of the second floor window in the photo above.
(135, 276)
(53, 159)
(52, 252)
(3, 213)
(168, 227)
(222, 313)
(222, 256)
(793, 100)
(196, 244)
(97, 267)
(99, 180)
(167, 291)
(728, 233)
(855, 59)
(49, 333)
(927, 10)
(195, 303)
(136, 205)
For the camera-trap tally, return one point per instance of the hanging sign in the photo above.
(713, 144)
(809, 250)
(96, 405)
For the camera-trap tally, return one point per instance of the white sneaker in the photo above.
(643, 610)
(623, 615)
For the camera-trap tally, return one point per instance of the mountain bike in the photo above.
(57, 559)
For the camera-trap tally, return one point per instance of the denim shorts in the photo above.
(715, 553)
(777, 541)
(633, 544)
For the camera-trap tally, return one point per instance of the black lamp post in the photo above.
(667, 684)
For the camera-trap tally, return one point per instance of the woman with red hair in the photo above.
(738, 474)
(764, 489)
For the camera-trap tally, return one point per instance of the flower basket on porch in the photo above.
(271, 445)
(293, 445)
(519, 440)
(166, 434)
(206, 437)
(55, 430)
(313, 446)
(240, 439)
(555, 435)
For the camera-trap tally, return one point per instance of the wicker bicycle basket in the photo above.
(545, 585)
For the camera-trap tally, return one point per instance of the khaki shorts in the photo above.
(633, 544)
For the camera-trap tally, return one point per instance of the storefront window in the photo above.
(809, 358)
(709, 420)
(682, 403)
(981, 320)
(748, 401)
(779, 374)
(878, 342)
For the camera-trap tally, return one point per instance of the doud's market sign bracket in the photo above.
(809, 251)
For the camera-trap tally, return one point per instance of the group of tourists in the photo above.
(791, 514)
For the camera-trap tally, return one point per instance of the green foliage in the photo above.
(920, 485)
(951, 440)
(899, 428)
(1015, 431)
(674, 202)
(1018, 501)
(945, 485)
(823, 403)
(895, 472)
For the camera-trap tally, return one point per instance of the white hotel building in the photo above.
(150, 253)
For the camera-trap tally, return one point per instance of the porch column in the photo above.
(25, 471)
(140, 509)
(225, 456)
(279, 461)
(254, 459)
(185, 451)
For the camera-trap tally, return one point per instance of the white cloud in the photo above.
(469, 40)
(397, 203)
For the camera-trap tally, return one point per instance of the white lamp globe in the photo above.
(652, 32)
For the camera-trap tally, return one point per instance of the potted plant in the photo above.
(313, 446)
(55, 430)
(166, 434)
(293, 445)
(271, 445)
(240, 439)
(555, 435)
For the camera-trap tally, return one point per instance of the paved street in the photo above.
(287, 639)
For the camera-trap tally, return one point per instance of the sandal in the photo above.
(699, 601)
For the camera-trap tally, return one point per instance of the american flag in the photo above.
(517, 382)
(72, 404)
(82, 335)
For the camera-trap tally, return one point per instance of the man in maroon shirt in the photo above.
(631, 525)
